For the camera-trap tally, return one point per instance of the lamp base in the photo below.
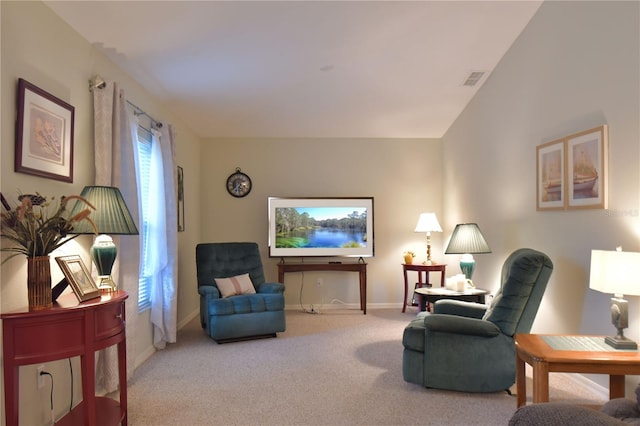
(620, 342)
(467, 265)
(106, 284)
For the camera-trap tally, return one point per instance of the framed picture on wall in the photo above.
(180, 199)
(550, 176)
(44, 134)
(587, 160)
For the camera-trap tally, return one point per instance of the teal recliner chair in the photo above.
(241, 316)
(469, 347)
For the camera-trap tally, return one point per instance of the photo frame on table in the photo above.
(587, 162)
(44, 134)
(78, 277)
(180, 199)
(550, 176)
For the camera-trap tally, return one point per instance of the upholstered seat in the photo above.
(618, 411)
(469, 347)
(237, 316)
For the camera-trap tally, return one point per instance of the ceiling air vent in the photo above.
(473, 78)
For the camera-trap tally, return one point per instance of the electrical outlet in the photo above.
(40, 377)
(319, 282)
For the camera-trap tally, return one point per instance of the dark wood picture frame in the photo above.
(44, 134)
(78, 277)
(180, 199)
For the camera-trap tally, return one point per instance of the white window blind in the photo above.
(144, 157)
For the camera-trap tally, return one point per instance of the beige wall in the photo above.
(575, 67)
(403, 176)
(38, 47)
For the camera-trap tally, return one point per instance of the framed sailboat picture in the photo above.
(551, 183)
(587, 159)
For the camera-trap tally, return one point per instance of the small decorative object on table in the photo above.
(78, 276)
(408, 257)
(35, 230)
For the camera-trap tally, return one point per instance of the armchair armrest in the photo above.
(209, 292)
(461, 325)
(270, 288)
(459, 308)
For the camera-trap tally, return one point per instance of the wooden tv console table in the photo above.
(66, 330)
(359, 267)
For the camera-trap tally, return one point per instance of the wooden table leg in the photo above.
(363, 290)
(422, 302)
(540, 381)
(521, 382)
(616, 386)
(406, 285)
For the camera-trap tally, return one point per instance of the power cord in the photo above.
(46, 373)
(312, 309)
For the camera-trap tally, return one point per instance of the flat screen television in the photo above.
(341, 227)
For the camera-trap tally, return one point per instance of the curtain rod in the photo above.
(140, 111)
(99, 83)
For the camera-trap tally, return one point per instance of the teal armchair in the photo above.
(469, 347)
(241, 316)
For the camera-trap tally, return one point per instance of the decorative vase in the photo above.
(39, 283)
(408, 259)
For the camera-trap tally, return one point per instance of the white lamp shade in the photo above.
(428, 222)
(615, 272)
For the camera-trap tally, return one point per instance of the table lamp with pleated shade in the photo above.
(467, 240)
(111, 217)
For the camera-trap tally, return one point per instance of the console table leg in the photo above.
(363, 291)
(11, 392)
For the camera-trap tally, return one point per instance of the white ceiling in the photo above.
(371, 69)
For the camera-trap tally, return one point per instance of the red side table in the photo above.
(420, 268)
(66, 330)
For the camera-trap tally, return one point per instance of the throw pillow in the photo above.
(232, 286)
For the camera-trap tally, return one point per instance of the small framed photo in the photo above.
(550, 173)
(587, 169)
(78, 277)
(44, 134)
(180, 199)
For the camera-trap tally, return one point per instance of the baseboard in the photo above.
(145, 355)
(186, 320)
(588, 384)
(334, 305)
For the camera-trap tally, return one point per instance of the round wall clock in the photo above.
(238, 184)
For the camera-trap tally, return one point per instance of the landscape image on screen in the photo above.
(321, 227)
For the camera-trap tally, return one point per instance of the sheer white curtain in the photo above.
(162, 265)
(115, 158)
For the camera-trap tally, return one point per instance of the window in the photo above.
(145, 141)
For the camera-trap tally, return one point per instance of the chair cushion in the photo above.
(413, 336)
(246, 303)
(522, 273)
(233, 286)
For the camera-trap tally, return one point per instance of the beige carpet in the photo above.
(338, 367)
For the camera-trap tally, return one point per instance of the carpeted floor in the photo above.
(338, 367)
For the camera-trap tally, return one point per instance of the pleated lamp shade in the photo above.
(111, 215)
